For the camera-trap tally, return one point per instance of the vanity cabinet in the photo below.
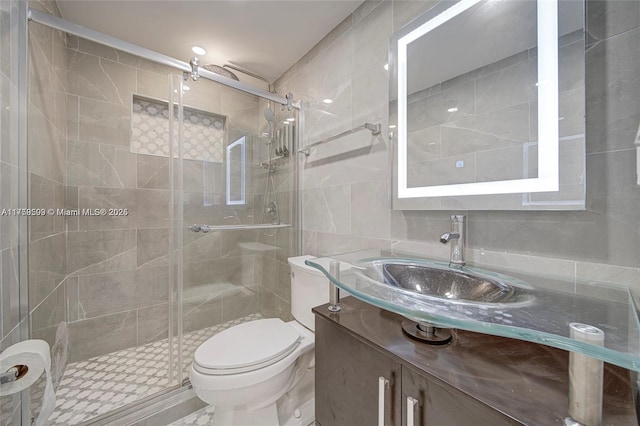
(357, 384)
(367, 366)
(348, 374)
(439, 404)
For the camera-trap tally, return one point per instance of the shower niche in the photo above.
(204, 132)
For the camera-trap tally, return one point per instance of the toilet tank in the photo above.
(309, 288)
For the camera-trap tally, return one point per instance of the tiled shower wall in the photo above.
(118, 266)
(346, 183)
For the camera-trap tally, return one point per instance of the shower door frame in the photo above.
(142, 52)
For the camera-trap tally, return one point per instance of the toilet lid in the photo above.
(246, 347)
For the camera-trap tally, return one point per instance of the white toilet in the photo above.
(245, 370)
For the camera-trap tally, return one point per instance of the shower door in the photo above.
(99, 260)
(233, 211)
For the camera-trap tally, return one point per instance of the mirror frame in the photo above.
(548, 128)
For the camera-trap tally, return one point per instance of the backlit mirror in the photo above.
(236, 160)
(487, 107)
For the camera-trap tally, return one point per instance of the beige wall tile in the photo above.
(239, 302)
(99, 165)
(102, 335)
(104, 122)
(103, 294)
(100, 79)
(46, 194)
(89, 248)
(153, 324)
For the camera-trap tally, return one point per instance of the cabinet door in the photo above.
(347, 380)
(438, 404)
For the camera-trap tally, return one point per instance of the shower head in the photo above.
(269, 115)
(221, 71)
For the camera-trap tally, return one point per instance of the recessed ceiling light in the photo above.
(392, 126)
(285, 122)
(291, 119)
(386, 67)
(327, 101)
(198, 50)
(454, 109)
(185, 87)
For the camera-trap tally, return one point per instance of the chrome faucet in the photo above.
(457, 238)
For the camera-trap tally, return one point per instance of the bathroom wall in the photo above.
(10, 172)
(345, 184)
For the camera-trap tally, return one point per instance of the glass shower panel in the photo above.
(236, 211)
(99, 259)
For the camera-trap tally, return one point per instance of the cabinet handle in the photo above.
(382, 390)
(411, 405)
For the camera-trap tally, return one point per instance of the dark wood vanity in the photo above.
(476, 380)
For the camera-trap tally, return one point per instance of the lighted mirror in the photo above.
(487, 107)
(236, 164)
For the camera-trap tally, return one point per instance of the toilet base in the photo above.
(267, 416)
(297, 407)
(304, 415)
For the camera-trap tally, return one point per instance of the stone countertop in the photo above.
(526, 381)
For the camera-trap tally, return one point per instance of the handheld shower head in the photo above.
(269, 115)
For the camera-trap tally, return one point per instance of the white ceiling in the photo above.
(263, 36)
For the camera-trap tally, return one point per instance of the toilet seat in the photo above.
(252, 346)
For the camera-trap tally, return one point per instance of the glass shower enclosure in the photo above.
(233, 211)
(170, 214)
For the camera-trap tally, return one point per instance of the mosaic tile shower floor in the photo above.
(98, 385)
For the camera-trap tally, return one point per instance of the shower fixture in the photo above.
(249, 73)
(270, 116)
(272, 210)
(195, 63)
(221, 71)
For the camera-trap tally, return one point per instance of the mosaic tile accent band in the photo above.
(204, 133)
(101, 384)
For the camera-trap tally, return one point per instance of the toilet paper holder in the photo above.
(14, 373)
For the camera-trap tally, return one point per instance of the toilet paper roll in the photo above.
(35, 355)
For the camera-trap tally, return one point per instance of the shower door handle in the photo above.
(200, 228)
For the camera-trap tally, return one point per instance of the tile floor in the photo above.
(98, 385)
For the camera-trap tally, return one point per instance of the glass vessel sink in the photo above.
(533, 307)
(447, 283)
